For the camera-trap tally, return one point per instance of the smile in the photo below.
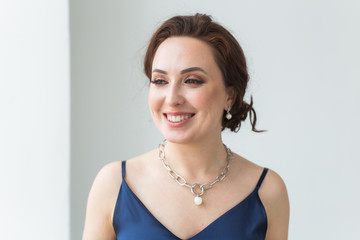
(178, 118)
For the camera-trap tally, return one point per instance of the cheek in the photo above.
(200, 99)
(210, 99)
(154, 100)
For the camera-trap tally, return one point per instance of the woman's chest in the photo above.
(133, 220)
(173, 205)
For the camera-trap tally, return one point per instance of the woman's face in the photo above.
(187, 95)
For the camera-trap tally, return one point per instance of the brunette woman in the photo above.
(192, 186)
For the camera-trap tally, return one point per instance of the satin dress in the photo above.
(245, 221)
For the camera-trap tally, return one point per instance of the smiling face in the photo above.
(187, 95)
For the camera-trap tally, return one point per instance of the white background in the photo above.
(34, 120)
(303, 59)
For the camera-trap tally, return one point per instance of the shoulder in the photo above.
(111, 171)
(272, 193)
(106, 186)
(273, 189)
(274, 197)
(101, 202)
(108, 180)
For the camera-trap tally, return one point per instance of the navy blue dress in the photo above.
(133, 221)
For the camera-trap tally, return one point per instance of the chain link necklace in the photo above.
(196, 189)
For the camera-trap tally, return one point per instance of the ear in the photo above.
(230, 97)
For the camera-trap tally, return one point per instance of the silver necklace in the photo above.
(196, 189)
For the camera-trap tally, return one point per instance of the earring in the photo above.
(228, 114)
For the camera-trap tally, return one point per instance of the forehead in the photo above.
(183, 52)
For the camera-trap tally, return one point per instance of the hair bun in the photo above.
(240, 115)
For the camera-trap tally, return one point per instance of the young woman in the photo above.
(192, 186)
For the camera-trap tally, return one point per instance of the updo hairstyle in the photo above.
(228, 55)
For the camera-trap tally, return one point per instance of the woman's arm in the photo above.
(274, 196)
(101, 203)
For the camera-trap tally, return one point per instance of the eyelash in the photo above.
(191, 81)
(158, 82)
(194, 81)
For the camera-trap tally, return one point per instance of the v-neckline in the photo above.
(203, 230)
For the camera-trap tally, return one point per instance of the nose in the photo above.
(175, 95)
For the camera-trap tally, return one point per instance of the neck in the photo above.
(197, 162)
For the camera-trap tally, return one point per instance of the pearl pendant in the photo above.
(228, 116)
(198, 200)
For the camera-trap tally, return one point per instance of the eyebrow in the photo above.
(192, 69)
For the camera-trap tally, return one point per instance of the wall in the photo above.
(303, 61)
(34, 120)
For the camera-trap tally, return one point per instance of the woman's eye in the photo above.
(158, 82)
(194, 81)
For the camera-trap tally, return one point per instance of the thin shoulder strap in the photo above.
(261, 178)
(123, 169)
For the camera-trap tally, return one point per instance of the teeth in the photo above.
(178, 118)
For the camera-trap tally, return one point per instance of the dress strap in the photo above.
(123, 169)
(261, 178)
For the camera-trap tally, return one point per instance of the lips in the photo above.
(178, 117)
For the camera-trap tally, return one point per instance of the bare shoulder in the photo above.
(273, 188)
(275, 199)
(101, 203)
(107, 181)
(110, 174)
(273, 195)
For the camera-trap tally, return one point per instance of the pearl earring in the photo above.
(228, 114)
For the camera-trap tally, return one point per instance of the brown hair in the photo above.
(227, 53)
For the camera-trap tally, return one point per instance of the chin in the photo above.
(178, 138)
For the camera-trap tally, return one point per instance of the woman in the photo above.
(198, 78)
